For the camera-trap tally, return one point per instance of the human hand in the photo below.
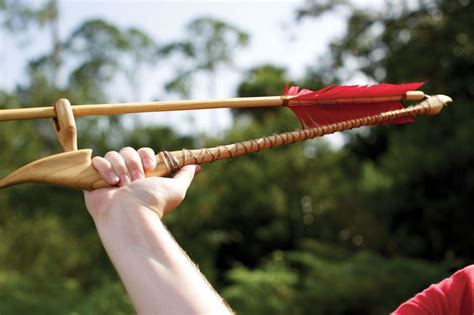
(156, 272)
(125, 170)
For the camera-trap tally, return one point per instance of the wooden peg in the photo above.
(65, 125)
(415, 96)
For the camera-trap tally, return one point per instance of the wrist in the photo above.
(125, 203)
(127, 226)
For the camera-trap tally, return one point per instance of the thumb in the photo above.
(186, 174)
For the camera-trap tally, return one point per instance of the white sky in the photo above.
(275, 38)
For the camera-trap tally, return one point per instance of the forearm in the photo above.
(156, 272)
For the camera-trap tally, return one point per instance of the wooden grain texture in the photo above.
(65, 125)
(27, 113)
(142, 107)
(125, 108)
(70, 169)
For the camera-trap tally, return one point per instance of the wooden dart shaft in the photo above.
(143, 107)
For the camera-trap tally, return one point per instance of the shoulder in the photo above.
(453, 295)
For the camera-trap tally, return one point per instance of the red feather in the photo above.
(332, 104)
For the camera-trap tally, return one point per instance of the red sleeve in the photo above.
(452, 296)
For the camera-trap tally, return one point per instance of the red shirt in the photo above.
(452, 296)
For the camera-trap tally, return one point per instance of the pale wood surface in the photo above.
(415, 95)
(26, 113)
(124, 108)
(70, 169)
(142, 107)
(65, 125)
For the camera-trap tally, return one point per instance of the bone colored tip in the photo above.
(446, 100)
(437, 102)
(415, 95)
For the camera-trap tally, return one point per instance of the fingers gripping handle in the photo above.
(74, 170)
(70, 169)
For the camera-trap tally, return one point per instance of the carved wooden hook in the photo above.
(65, 125)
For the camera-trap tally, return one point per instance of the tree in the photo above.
(18, 16)
(52, 260)
(127, 49)
(417, 184)
(265, 80)
(211, 44)
(309, 281)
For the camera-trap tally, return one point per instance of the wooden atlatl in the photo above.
(74, 169)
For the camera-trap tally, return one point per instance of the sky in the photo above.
(275, 38)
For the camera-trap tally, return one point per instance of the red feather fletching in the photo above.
(333, 104)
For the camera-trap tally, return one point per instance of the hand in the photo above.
(158, 275)
(125, 170)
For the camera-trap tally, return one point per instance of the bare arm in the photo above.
(156, 272)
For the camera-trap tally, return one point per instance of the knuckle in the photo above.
(97, 159)
(117, 162)
(127, 149)
(110, 154)
(100, 163)
(146, 150)
(147, 154)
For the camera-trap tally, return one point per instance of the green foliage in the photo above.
(417, 189)
(211, 44)
(272, 285)
(265, 80)
(308, 281)
(214, 41)
(18, 15)
(22, 294)
(125, 51)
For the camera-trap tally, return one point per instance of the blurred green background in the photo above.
(305, 229)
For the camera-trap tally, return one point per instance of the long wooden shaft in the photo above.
(142, 107)
(27, 113)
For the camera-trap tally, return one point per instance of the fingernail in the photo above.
(113, 178)
(198, 170)
(137, 175)
(124, 180)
